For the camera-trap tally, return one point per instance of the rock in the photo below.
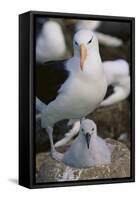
(49, 170)
(123, 137)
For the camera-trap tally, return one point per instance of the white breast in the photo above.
(76, 99)
(80, 95)
(78, 155)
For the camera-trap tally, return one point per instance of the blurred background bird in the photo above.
(49, 47)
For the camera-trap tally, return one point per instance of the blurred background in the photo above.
(54, 42)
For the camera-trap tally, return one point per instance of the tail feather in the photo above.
(40, 106)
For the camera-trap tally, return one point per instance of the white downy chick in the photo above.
(88, 149)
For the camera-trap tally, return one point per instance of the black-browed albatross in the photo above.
(73, 88)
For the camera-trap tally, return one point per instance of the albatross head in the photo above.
(88, 129)
(85, 44)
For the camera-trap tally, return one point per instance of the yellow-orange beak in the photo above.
(83, 55)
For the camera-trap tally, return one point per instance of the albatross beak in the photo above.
(88, 138)
(83, 54)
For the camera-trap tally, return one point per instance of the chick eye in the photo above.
(82, 130)
(90, 41)
(76, 43)
(92, 129)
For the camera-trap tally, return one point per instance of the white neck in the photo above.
(93, 65)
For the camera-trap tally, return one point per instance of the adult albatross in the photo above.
(73, 88)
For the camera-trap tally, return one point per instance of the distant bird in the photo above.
(104, 39)
(117, 75)
(121, 30)
(88, 149)
(87, 24)
(73, 88)
(50, 43)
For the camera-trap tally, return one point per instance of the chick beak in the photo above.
(83, 55)
(88, 138)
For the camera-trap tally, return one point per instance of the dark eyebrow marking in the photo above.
(90, 40)
(76, 43)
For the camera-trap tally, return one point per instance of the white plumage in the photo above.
(79, 95)
(50, 44)
(88, 149)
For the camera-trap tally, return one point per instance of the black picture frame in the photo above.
(27, 99)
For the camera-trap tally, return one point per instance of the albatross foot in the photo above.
(56, 155)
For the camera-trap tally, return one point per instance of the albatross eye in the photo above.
(90, 41)
(76, 43)
(92, 129)
(82, 130)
